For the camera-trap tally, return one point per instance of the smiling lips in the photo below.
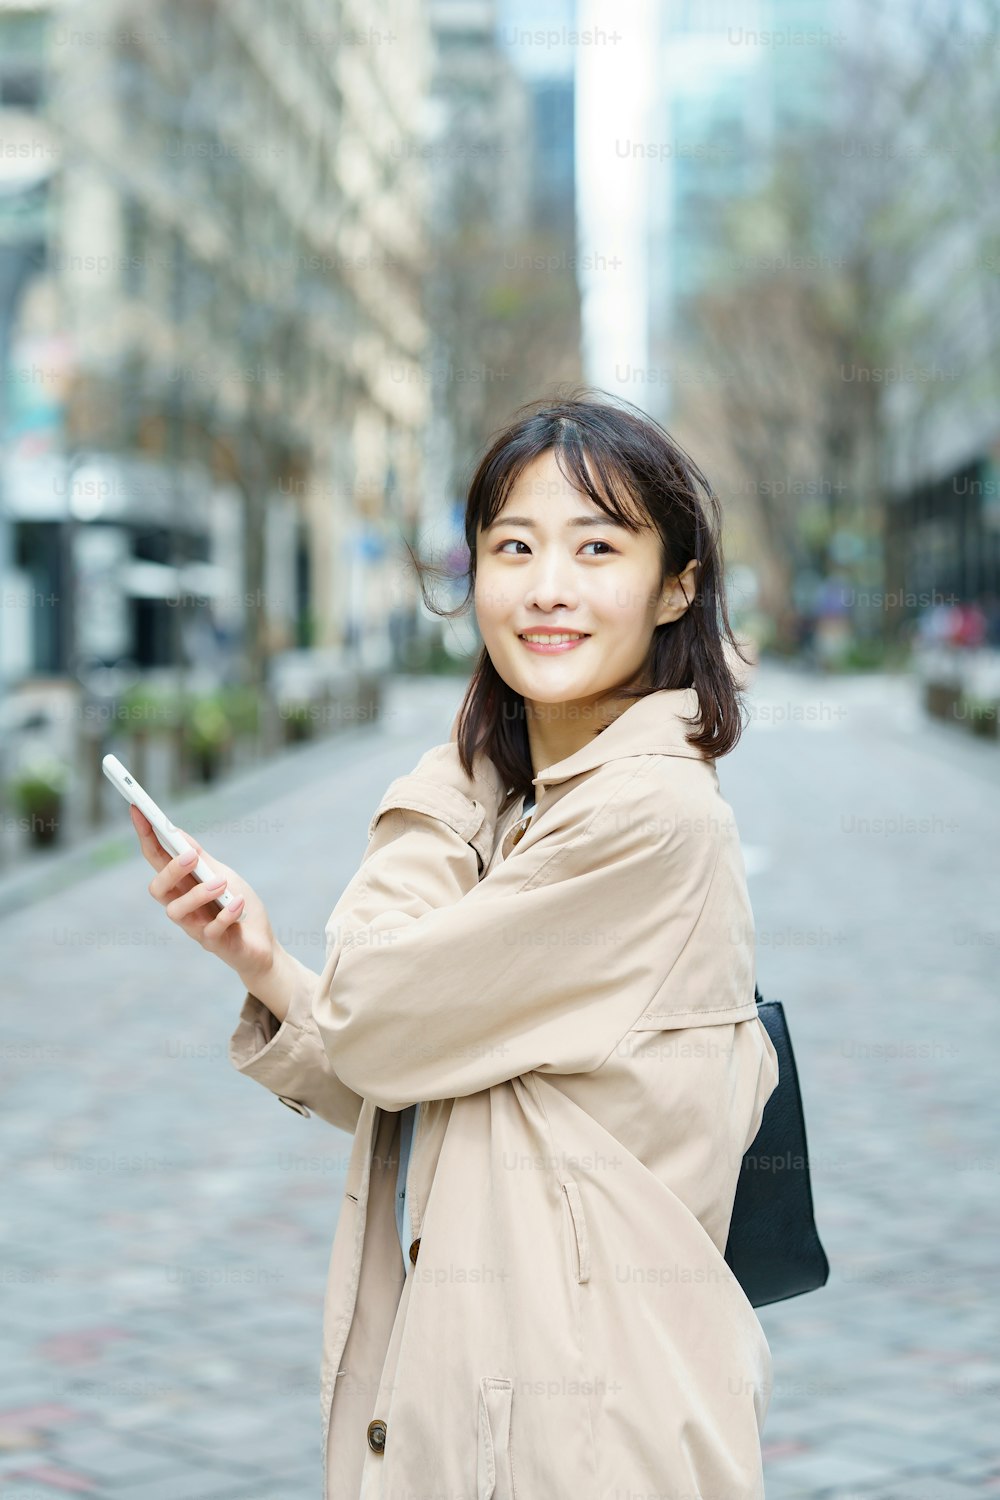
(549, 641)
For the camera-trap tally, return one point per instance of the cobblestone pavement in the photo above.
(164, 1247)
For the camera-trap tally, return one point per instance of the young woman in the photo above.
(537, 1017)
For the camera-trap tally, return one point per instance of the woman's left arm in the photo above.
(438, 984)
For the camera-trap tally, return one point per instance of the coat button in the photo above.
(376, 1435)
(414, 1250)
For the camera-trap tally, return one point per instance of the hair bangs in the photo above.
(611, 481)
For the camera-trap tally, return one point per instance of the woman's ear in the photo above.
(678, 594)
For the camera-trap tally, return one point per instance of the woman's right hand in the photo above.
(249, 947)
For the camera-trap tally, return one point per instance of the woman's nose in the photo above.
(550, 584)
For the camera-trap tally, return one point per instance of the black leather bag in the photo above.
(773, 1249)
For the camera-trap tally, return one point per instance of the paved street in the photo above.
(168, 1223)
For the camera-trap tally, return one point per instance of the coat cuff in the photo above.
(439, 787)
(288, 1057)
(255, 1031)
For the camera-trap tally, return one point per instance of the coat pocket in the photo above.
(579, 1225)
(494, 1467)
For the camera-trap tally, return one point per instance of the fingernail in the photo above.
(190, 857)
(235, 905)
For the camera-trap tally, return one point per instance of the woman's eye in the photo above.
(516, 542)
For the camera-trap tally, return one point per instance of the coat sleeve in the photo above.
(437, 985)
(288, 1057)
(449, 842)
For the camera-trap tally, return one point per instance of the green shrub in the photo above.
(152, 709)
(980, 714)
(39, 784)
(206, 726)
(241, 707)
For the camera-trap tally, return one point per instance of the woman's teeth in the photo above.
(553, 640)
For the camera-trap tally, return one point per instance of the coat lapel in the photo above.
(654, 725)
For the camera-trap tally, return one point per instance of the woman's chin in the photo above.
(549, 684)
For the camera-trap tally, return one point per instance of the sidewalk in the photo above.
(165, 1269)
(55, 870)
(164, 1273)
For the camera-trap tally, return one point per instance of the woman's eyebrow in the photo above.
(596, 520)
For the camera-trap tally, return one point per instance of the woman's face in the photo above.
(553, 562)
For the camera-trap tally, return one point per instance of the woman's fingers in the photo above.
(174, 886)
(171, 868)
(148, 842)
(200, 894)
(224, 918)
(171, 873)
(191, 903)
(177, 867)
(195, 912)
(151, 847)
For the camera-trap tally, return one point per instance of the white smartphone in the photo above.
(172, 840)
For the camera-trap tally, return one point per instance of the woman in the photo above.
(539, 1020)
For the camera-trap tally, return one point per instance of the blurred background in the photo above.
(271, 273)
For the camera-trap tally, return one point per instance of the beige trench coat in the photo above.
(576, 1010)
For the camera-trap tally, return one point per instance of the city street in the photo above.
(168, 1222)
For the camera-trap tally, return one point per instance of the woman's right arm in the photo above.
(277, 1044)
(275, 1041)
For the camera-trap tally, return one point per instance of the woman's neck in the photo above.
(557, 730)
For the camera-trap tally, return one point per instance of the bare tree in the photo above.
(856, 311)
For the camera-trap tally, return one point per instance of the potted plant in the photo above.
(148, 710)
(299, 722)
(865, 654)
(941, 673)
(979, 713)
(207, 735)
(38, 791)
(941, 698)
(239, 703)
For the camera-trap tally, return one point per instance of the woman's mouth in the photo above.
(551, 641)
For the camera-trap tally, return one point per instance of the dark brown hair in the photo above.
(632, 459)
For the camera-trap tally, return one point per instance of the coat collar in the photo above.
(653, 725)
